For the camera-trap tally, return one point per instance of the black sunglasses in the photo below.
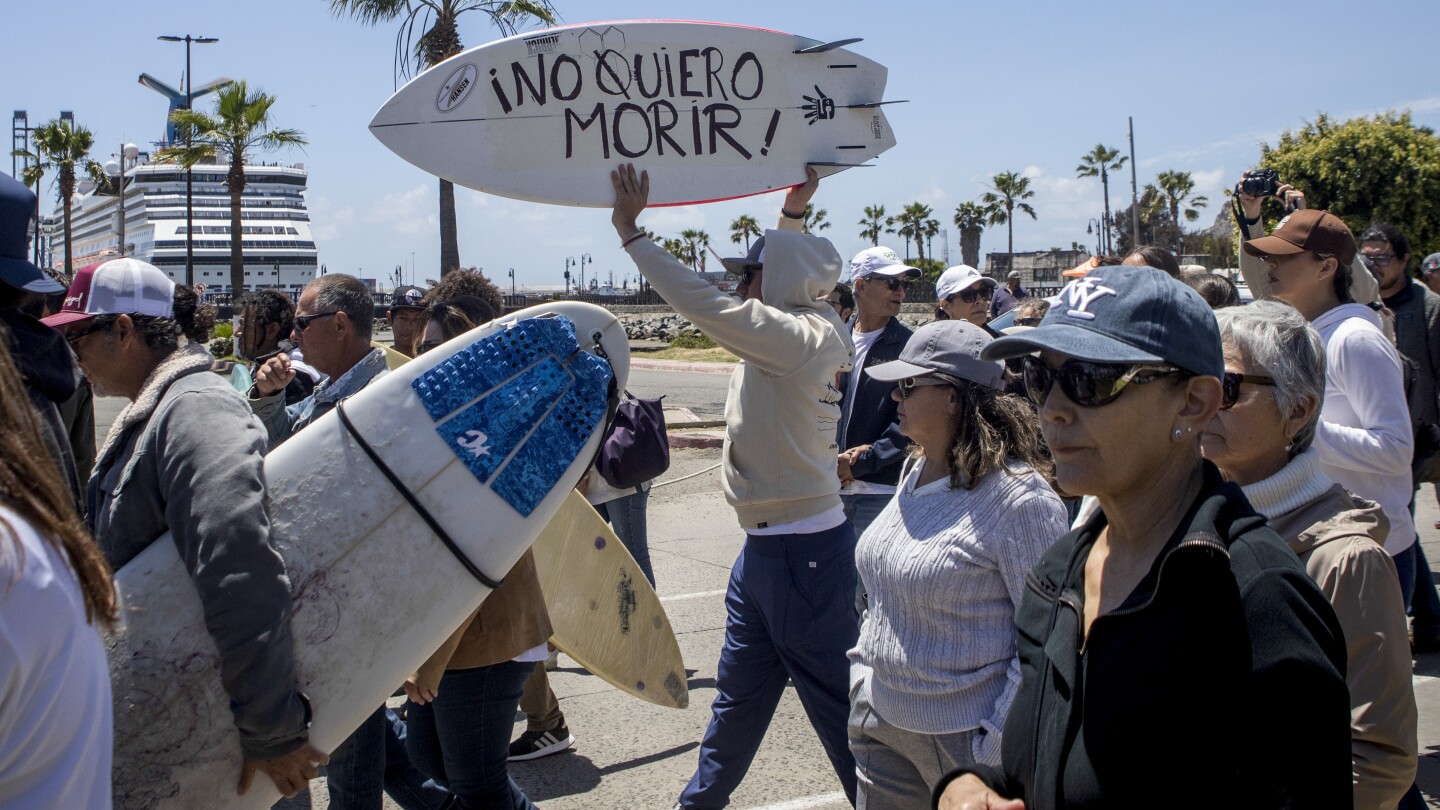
(1027, 321)
(303, 321)
(1230, 385)
(908, 385)
(1087, 384)
(427, 346)
(971, 296)
(73, 336)
(748, 274)
(892, 283)
(1381, 261)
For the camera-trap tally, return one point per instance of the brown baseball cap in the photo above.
(1303, 230)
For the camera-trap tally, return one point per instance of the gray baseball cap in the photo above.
(1125, 314)
(947, 347)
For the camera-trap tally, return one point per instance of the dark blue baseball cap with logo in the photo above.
(17, 218)
(1125, 315)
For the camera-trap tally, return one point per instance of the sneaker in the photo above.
(552, 661)
(536, 744)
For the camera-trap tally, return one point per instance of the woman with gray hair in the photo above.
(1262, 439)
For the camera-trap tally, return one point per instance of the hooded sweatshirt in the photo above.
(782, 409)
(1339, 539)
(1364, 437)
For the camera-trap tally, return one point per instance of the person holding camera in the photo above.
(1364, 437)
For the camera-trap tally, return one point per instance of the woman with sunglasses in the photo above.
(463, 699)
(1173, 651)
(944, 565)
(964, 295)
(1262, 439)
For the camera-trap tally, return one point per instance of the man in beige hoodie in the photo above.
(790, 599)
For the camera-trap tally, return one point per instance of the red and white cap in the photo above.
(119, 286)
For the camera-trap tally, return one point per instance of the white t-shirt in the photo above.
(56, 728)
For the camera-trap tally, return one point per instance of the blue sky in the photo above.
(993, 86)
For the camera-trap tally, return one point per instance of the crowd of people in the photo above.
(1138, 544)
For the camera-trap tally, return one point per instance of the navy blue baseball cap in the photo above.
(17, 217)
(1125, 315)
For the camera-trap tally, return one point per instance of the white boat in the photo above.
(275, 226)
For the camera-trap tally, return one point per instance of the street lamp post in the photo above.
(1096, 227)
(569, 262)
(129, 154)
(584, 260)
(189, 171)
(512, 282)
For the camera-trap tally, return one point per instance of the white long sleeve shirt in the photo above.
(1365, 437)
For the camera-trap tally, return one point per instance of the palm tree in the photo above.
(1008, 193)
(1101, 161)
(970, 222)
(438, 42)
(696, 243)
(875, 223)
(1176, 187)
(60, 146)
(814, 220)
(239, 127)
(915, 225)
(677, 248)
(744, 228)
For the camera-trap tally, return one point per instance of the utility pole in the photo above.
(189, 171)
(1134, 191)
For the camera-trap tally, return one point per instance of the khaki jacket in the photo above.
(510, 621)
(1340, 540)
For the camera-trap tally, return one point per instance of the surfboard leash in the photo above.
(414, 502)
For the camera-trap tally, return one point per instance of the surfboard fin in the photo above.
(871, 104)
(830, 46)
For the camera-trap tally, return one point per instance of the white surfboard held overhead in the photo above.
(488, 434)
(713, 111)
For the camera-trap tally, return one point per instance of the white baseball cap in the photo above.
(120, 286)
(958, 278)
(880, 261)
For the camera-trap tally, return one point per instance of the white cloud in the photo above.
(327, 219)
(407, 213)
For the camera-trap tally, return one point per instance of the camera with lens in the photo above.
(1261, 183)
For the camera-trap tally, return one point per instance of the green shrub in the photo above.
(692, 340)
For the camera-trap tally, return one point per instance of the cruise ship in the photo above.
(275, 226)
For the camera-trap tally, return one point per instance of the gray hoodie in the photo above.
(783, 407)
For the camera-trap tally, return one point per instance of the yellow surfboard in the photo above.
(605, 614)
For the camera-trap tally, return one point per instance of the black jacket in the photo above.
(50, 375)
(871, 418)
(1219, 682)
(1417, 336)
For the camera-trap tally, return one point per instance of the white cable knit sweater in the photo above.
(945, 569)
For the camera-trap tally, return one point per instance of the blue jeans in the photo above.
(790, 617)
(863, 509)
(373, 762)
(462, 738)
(1405, 570)
(626, 515)
(1425, 604)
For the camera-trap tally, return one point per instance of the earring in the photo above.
(1178, 434)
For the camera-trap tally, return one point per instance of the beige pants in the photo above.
(538, 701)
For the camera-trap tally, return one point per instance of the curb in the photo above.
(698, 439)
(681, 366)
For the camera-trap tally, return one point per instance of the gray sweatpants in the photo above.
(898, 769)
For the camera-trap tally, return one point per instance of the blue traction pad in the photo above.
(517, 406)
